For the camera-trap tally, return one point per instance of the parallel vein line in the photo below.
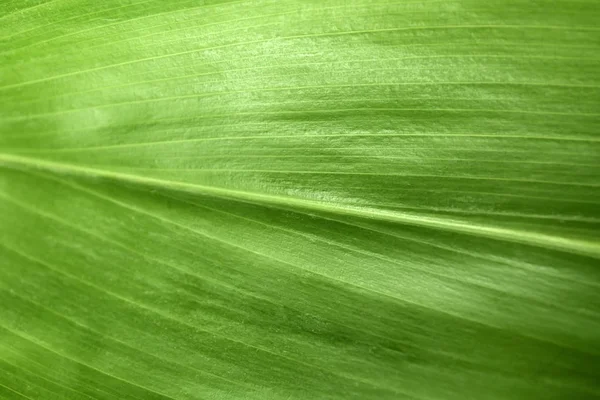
(166, 315)
(96, 387)
(311, 237)
(356, 249)
(125, 170)
(123, 22)
(323, 111)
(24, 10)
(14, 391)
(32, 340)
(53, 382)
(205, 235)
(183, 10)
(237, 12)
(327, 34)
(69, 19)
(498, 233)
(68, 95)
(160, 358)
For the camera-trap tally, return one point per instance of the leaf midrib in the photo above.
(576, 246)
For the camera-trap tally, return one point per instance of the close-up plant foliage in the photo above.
(300, 199)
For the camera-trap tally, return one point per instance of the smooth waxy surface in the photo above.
(299, 199)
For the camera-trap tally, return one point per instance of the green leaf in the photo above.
(299, 199)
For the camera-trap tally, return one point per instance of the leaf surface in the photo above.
(299, 199)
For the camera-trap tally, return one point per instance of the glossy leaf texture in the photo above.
(299, 199)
